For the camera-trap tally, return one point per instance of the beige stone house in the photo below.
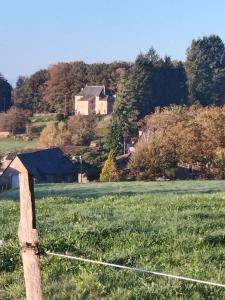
(93, 100)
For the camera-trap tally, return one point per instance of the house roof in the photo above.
(10, 156)
(47, 162)
(92, 90)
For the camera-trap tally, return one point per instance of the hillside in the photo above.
(175, 227)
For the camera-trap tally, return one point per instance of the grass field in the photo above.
(11, 145)
(175, 227)
(37, 124)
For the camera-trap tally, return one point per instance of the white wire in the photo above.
(137, 269)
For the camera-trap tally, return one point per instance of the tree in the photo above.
(140, 84)
(107, 74)
(28, 93)
(66, 79)
(82, 129)
(168, 83)
(110, 170)
(157, 82)
(205, 68)
(181, 135)
(54, 134)
(14, 119)
(124, 118)
(5, 94)
(152, 82)
(155, 155)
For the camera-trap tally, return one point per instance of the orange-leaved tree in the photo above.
(54, 135)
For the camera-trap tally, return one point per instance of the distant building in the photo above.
(93, 100)
(49, 165)
(4, 134)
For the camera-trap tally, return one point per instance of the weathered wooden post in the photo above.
(36, 164)
(27, 232)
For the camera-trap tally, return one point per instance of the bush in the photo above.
(59, 117)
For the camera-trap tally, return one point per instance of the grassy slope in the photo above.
(37, 124)
(176, 227)
(11, 145)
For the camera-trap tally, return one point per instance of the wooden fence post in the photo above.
(28, 237)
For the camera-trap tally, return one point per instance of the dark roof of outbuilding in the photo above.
(91, 91)
(47, 162)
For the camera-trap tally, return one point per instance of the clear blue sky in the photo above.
(37, 33)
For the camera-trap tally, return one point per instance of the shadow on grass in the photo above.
(96, 190)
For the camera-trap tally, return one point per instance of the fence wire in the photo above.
(140, 270)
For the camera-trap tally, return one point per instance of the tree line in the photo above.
(150, 81)
(155, 82)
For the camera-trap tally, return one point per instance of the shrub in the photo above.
(59, 117)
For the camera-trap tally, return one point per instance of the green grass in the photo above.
(175, 227)
(37, 124)
(43, 118)
(10, 145)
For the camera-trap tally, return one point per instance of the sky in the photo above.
(37, 33)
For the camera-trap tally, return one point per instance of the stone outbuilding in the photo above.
(48, 165)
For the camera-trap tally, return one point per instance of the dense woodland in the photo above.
(191, 91)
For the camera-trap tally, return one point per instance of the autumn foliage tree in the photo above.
(178, 135)
(14, 119)
(219, 163)
(54, 134)
(82, 129)
(110, 170)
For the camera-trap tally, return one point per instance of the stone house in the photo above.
(93, 100)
